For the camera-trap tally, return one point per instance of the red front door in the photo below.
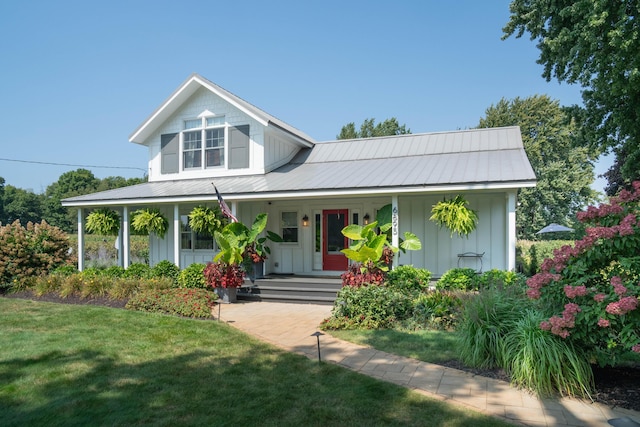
(333, 221)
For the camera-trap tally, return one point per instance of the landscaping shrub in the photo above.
(435, 310)
(591, 289)
(195, 303)
(138, 270)
(542, 362)
(193, 277)
(408, 279)
(166, 269)
(458, 279)
(65, 270)
(115, 271)
(27, 252)
(501, 279)
(369, 307)
(484, 320)
(356, 276)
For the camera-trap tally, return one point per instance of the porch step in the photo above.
(297, 289)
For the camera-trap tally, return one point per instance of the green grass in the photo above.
(86, 365)
(426, 345)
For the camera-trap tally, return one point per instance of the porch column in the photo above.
(125, 244)
(118, 245)
(80, 239)
(395, 235)
(511, 233)
(176, 234)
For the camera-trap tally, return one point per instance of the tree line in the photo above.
(25, 205)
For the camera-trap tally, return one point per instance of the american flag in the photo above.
(224, 208)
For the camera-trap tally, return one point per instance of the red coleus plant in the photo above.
(222, 275)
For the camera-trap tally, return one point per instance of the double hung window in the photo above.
(195, 154)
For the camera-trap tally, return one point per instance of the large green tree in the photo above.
(594, 43)
(21, 204)
(562, 164)
(368, 129)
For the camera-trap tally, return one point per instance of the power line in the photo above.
(70, 164)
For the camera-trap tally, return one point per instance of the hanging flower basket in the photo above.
(150, 221)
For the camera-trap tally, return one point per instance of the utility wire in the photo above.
(70, 164)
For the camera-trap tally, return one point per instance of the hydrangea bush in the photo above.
(592, 287)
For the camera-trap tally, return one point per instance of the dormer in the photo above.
(204, 131)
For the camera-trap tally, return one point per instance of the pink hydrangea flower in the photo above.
(603, 323)
(618, 287)
(575, 291)
(599, 297)
(636, 348)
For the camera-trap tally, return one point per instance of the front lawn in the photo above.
(84, 365)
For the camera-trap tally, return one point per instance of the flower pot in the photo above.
(227, 295)
(258, 269)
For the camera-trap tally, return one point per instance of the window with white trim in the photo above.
(192, 240)
(195, 154)
(289, 227)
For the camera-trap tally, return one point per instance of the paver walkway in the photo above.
(289, 326)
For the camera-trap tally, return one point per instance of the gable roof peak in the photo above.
(194, 82)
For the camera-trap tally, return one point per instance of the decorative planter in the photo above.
(227, 295)
(258, 270)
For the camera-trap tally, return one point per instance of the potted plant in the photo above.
(150, 221)
(203, 219)
(372, 251)
(104, 221)
(455, 215)
(238, 243)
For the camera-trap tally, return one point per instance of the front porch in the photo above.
(292, 288)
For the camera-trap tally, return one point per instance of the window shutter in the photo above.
(169, 152)
(239, 147)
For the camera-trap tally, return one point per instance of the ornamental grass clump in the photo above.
(591, 289)
(543, 362)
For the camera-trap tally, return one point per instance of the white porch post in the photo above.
(176, 235)
(395, 235)
(511, 233)
(125, 244)
(80, 239)
(118, 245)
(234, 209)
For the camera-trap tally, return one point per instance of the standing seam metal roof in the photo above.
(480, 156)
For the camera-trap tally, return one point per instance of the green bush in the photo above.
(501, 279)
(27, 252)
(138, 270)
(408, 279)
(193, 277)
(166, 269)
(195, 303)
(542, 362)
(65, 270)
(435, 310)
(115, 271)
(370, 307)
(458, 279)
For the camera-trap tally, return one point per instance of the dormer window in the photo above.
(195, 154)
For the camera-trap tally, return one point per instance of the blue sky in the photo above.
(79, 76)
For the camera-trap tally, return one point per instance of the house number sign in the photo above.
(394, 221)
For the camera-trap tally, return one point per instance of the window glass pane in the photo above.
(289, 219)
(192, 141)
(203, 241)
(215, 121)
(290, 235)
(192, 124)
(318, 225)
(185, 232)
(192, 159)
(215, 138)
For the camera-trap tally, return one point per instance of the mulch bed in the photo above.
(615, 387)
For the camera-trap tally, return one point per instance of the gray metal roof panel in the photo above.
(455, 158)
